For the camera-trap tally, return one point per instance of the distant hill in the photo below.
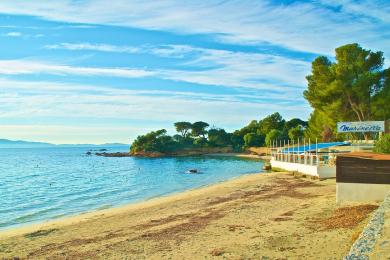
(5, 143)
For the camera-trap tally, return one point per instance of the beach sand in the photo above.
(258, 216)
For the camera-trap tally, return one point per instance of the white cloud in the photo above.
(13, 34)
(218, 67)
(304, 26)
(239, 69)
(34, 67)
(94, 47)
(20, 99)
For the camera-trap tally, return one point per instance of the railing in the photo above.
(305, 158)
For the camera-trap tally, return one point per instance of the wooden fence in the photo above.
(360, 167)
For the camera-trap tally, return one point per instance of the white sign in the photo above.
(366, 126)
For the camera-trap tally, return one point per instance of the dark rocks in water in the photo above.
(102, 150)
(117, 154)
(88, 153)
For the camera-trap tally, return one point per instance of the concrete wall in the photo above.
(322, 172)
(361, 192)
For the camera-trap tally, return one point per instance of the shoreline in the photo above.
(85, 216)
(273, 215)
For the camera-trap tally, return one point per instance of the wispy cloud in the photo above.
(94, 47)
(12, 67)
(305, 26)
(217, 67)
(13, 34)
(21, 99)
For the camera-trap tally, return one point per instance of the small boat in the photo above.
(192, 171)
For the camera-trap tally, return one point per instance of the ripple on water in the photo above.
(47, 183)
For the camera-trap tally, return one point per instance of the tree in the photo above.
(237, 140)
(274, 135)
(351, 88)
(199, 129)
(200, 142)
(383, 144)
(274, 121)
(252, 139)
(296, 133)
(183, 128)
(218, 137)
(294, 123)
(156, 141)
(327, 134)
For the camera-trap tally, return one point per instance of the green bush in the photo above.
(383, 144)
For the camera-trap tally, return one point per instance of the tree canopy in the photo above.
(195, 135)
(353, 88)
(183, 127)
(199, 129)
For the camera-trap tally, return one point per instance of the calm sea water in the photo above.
(46, 183)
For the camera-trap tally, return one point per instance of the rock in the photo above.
(117, 154)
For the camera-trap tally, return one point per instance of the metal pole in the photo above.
(317, 152)
(288, 150)
(311, 158)
(293, 153)
(304, 150)
(299, 155)
(284, 144)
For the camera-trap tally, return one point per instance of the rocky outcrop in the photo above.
(117, 154)
(186, 152)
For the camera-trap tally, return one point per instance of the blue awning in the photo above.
(312, 147)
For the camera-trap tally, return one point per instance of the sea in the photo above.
(39, 184)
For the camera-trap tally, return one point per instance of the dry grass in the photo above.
(347, 217)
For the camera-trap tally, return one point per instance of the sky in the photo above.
(94, 71)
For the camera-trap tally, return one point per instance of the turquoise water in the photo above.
(46, 183)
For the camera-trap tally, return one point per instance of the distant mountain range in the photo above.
(5, 143)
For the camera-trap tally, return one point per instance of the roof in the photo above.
(367, 155)
(313, 147)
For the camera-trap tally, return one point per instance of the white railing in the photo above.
(305, 158)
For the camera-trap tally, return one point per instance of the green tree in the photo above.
(274, 135)
(351, 88)
(382, 145)
(237, 140)
(218, 137)
(296, 133)
(199, 129)
(294, 123)
(156, 141)
(253, 140)
(200, 142)
(273, 121)
(183, 128)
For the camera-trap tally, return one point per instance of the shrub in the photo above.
(382, 145)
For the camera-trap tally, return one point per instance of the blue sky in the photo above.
(94, 71)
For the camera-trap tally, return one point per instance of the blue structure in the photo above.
(313, 147)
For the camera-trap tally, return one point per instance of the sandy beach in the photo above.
(258, 216)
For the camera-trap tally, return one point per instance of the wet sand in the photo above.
(268, 215)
